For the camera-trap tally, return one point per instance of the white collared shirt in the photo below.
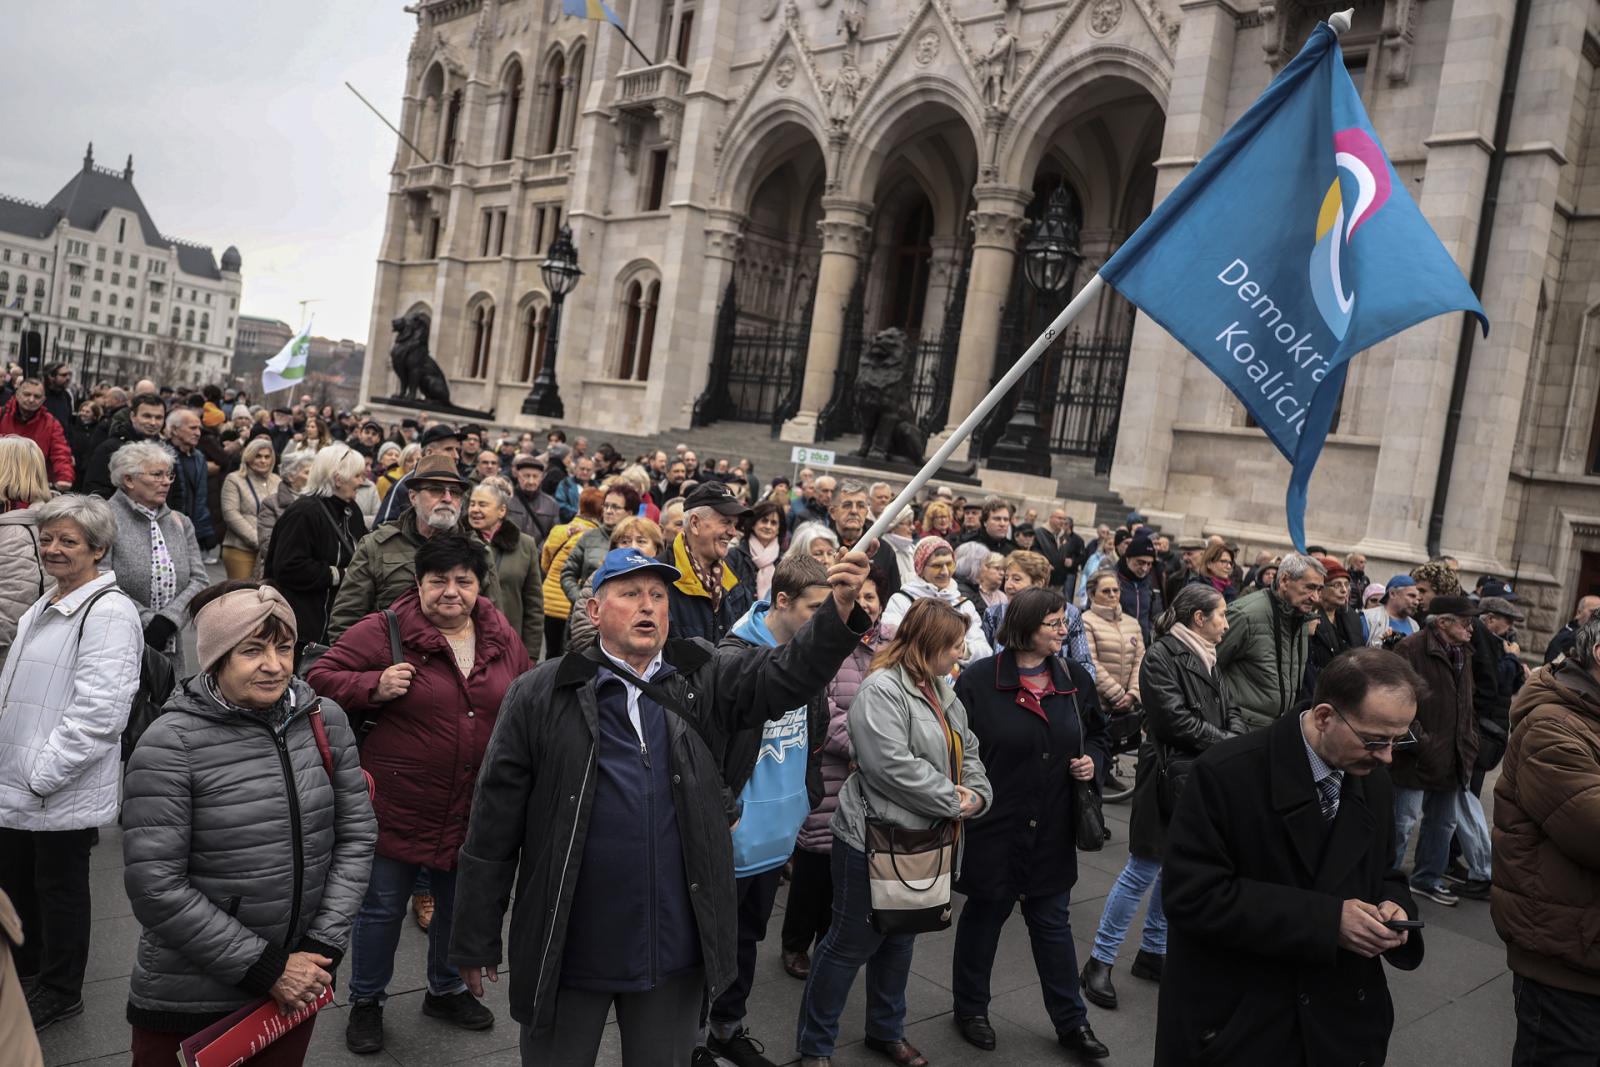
(632, 690)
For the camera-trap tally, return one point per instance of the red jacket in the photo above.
(44, 431)
(425, 748)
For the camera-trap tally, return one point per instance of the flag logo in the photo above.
(1359, 157)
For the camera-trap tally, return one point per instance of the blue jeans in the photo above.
(1054, 956)
(1437, 809)
(377, 931)
(849, 943)
(1137, 876)
(1472, 830)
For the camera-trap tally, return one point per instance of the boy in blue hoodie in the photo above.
(767, 769)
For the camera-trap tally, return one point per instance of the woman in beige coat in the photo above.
(1115, 643)
(22, 577)
(243, 493)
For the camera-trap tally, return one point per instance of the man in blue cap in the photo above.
(601, 803)
(1395, 614)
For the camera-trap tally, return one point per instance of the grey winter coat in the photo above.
(584, 559)
(22, 577)
(903, 759)
(237, 851)
(130, 558)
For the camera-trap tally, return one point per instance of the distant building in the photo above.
(108, 291)
(333, 368)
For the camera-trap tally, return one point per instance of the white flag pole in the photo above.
(1085, 297)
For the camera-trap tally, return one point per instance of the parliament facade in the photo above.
(774, 182)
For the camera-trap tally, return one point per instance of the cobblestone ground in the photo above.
(1455, 1010)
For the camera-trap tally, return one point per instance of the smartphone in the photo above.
(1404, 924)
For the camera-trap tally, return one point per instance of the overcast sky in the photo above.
(240, 126)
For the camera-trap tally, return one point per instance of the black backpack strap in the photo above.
(83, 612)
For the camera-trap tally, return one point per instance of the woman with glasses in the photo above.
(621, 501)
(1187, 710)
(1217, 571)
(155, 554)
(1115, 644)
(935, 563)
(1039, 723)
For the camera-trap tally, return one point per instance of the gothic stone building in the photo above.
(778, 180)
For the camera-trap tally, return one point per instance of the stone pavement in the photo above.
(1455, 1010)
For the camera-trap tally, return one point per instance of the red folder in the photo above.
(245, 1033)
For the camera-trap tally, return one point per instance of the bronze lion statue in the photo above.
(415, 368)
(889, 429)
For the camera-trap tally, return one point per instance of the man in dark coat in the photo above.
(994, 530)
(1056, 541)
(1336, 626)
(850, 516)
(1138, 577)
(618, 785)
(1561, 643)
(139, 421)
(1277, 884)
(1431, 777)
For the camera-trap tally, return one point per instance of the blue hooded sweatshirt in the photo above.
(774, 799)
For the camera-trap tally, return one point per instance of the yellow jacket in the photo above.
(562, 540)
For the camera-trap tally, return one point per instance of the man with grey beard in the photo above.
(382, 569)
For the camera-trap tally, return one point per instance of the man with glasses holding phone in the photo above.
(1278, 888)
(1431, 777)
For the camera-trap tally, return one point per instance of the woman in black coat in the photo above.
(315, 539)
(1187, 709)
(1026, 703)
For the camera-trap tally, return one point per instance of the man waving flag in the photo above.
(1291, 247)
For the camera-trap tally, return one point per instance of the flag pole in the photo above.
(647, 60)
(420, 153)
(1085, 297)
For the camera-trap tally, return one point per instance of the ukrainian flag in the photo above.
(596, 10)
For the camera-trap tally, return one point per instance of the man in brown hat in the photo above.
(1431, 776)
(382, 569)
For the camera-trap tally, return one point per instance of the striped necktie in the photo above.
(1328, 796)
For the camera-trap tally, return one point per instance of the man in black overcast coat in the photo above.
(1277, 887)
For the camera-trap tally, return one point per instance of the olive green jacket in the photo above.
(384, 569)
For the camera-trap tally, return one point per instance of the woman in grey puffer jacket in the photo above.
(245, 855)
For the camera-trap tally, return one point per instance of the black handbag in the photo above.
(1089, 822)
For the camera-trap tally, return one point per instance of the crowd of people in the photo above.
(450, 673)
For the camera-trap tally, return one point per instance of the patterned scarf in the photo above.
(163, 572)
(710, 575)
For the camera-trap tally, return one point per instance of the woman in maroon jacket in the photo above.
(432, 710)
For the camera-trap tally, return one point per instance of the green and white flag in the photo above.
(288, 367)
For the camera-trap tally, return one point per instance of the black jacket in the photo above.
(1066, 554)
(311, 546)
(1186, 710)
(1492, 691)
(689, 608)
(541, 762)
(1025, 843)
(1327, 641)
(1253, 886)
(888, 566)
(119, 431)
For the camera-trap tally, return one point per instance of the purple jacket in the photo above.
(836, 754)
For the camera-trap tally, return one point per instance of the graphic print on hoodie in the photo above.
(774, 799)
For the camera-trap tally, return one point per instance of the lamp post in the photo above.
(1050, 258)
(561, 274)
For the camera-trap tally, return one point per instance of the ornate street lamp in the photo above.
(561, 274)
(1050, 259)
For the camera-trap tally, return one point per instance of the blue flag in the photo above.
(1290, 247)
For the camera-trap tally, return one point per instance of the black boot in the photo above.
(1147, 965)
(1082, 1041)
(1097, 987)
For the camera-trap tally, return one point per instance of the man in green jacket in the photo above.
(1263, 654)
(382, 569)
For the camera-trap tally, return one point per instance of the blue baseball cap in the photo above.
(621, 561)
(1400, 581)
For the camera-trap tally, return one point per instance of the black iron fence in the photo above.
(1083, 396)
(757, 368)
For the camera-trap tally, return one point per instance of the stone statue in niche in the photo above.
(999, 65)
(852, 20)
(843, 93)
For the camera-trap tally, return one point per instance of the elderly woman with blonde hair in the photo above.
(243, 493)
(155, 554)
(23, 483)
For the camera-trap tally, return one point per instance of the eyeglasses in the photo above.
(440, 489)
(1059, 625)
(1377, 744)
(156, 476)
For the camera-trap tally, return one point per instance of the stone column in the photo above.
(1202, 72)
(845, 234)
(1425, 355)
(944, 269)
(997, 221)
(1518, 249)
